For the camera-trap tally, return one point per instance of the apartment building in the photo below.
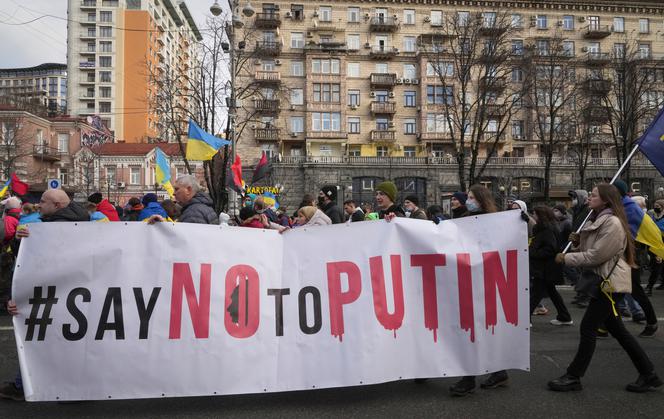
(118, 51)
(44, 85)
(346, 92)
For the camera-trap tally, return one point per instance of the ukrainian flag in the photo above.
(201, 145)
(652, 142)
(162, 171)
(5, 187)
(643, 228)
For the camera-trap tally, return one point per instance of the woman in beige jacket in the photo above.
(605, 242)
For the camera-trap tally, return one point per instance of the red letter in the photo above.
(245, 278)
(389, 321)
(337, 298)
(198, 309)
(428, 264)
(465, 278)
(507, 287)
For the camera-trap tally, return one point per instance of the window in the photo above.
(409, 126)
(618, 24)
(270, 150)
(105, 107)
(104, 61)
(409, 17)
(297, 10)
(543, 46)
(381, 68)
(517, 75)
(105, 76)
(517, 129)
(409, 44)
(644, 50)
(106, 16)
(105, 92)
(492, 126)
(354, 151)
(436, 18)
(593, 48)
(325, 13)
(354, 14)
(463, 18)
(297, 124)
(353, 125)
(381, 151)
(326, 92)
(517, 47)
(134, 175)
(568, 22)
(568, 48)
(644, 25)
(105, 46)
(63, 175)
(297, 97)
(409, 71)
(382, 124)
(409, 98)
(409, 151)
(619, 50)
(105, 31)
(353, 70)
(325, 66)
(325, 121)
(354, 98)
(440, 95)
(541, 22)
(353, 41)
(297, 40)
(442, 69)
(297, 68)
(380, 95)
(437, 123)
(488, 19)
(517, 20)
(63, 143)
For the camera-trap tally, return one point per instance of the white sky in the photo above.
(45, 40)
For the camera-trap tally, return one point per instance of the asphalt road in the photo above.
(552, 349)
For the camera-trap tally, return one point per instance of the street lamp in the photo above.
(215, 9)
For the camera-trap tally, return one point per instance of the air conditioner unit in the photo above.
(372, 94)
(253, 126)
(289, 15)
(390, 124)
(367, 45)
(310, 34)
(257, 62)
(353, 107)
(391, 94)
(517, 137)
(582, 19)
(419, 109)
(293, 134)
(277, 62)
(406, 81)
(584, 49)
(399, 81)
(416, 81)
(121, 184)
(427, 19)
(559, 23)
(367, 16)
(418, 135)
(292, 107)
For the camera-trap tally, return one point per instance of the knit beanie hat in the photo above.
(11, 203)
(149, 197)
(461, 197)
(95, 198)
(330, 191)
(389, 189)
(621, 186)
(307, 212)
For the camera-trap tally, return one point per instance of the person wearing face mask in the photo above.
(327, 202)
(656, 265)
(411, 206)
(564, 223)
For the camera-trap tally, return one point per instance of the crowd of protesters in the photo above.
(603, 246)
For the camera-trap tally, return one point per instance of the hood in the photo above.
(580, 195)
(319, 219)
(72, 212)
(522, 205)
(200, 198)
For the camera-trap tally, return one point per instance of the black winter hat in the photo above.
(95, 198)
(330, 191)
(621, 186)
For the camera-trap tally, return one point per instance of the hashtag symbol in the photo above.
(34, 320)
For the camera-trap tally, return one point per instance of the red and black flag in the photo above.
(263, 168)
(235, 181)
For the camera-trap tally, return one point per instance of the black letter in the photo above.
(76, 314)
(144, 313)
(278, 307)
(302, 303)
(113, 296)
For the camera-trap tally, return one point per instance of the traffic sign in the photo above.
(54, 184)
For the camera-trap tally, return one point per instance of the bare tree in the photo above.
(471, 57)
(17, 141)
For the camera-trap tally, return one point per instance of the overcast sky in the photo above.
(45, 40)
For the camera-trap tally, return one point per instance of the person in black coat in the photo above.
(327, 202)
(544, 271)
(386, 195)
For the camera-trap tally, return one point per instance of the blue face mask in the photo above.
(472, 206)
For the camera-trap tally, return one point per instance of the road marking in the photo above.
(6, 328)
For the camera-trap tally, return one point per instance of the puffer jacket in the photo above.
(602, 242)
(108, 210)
(199, 210)
(319, 219)
(153, 208)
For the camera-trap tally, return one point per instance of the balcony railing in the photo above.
(267, 76)
(597, 86)
(88, 3)
(383, 136)
(382, 52)
(268, 48)
(45, 152)
(269, 20)
(597, 58)
(267, 105)
(86, 34)
(596, 31)
(383, 23)
(383, 79)
(596, 113)
(383, 107)
(266, 134)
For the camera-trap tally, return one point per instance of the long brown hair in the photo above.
(545, 217)
(484, 198)
(610, 195)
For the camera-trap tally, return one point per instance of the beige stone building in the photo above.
(347, 94)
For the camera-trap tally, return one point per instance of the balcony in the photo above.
(598, 58)
(45, 152)
(496, 110)
(602, 87)
(596, 114)
(435, 137)
(87, 65)
(327, 135)
(383, 79)
(88, 35)
(267, 77)
(87, 81)
(327, 46)
(87, 96)
(383, 52)
(88, 51)
(270, 20)
(383, 23)
(595, 31)
(267, 106)
(383, 136)
(268, 48)
(493, 30)
(492, 84)
(88, 4)
(266, 134)
(380, 108)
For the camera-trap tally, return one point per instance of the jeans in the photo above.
(540, 288)
(571, 273)
(600, 311)
(640, 296)
(629, 304)
(18, 381)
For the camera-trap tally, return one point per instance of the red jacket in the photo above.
(254, 224)
(11, 222)
(108, 210)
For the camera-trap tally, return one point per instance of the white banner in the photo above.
(130, 310)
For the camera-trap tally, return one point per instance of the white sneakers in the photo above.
(557, 322)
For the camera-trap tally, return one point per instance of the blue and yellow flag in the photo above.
(5, 187)
(652, 142)
(163, 172)
(201, 145)
(643, 228)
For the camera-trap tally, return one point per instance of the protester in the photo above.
(605, 247)
(353, 212)
(104, 206)
(411, 205)
(480, 201)
(544, 271)
(249, 218)
(564, 224)
(436, 214)
(172, 209)
(95, 215)
(580, 211)
(458, 204)
(197, 207)
(151, 207)
(386, 195)
(312, 216)
(517, 204)
(10, 217)
(30, 214)
(327, 202)
(134, 208)
(656, 265)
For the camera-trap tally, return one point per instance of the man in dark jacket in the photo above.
(134, 208)
(354, 212)
(458, 204)
(580, 208)
(197, 207)
(386, 195)
(411, 204)
(327, 202)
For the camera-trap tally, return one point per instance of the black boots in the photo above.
(566, 383)
(644, 383)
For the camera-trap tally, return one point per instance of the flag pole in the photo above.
(615, 177)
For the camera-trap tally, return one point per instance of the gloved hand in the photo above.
(560, 258)
(575, 238)
(524, 216)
